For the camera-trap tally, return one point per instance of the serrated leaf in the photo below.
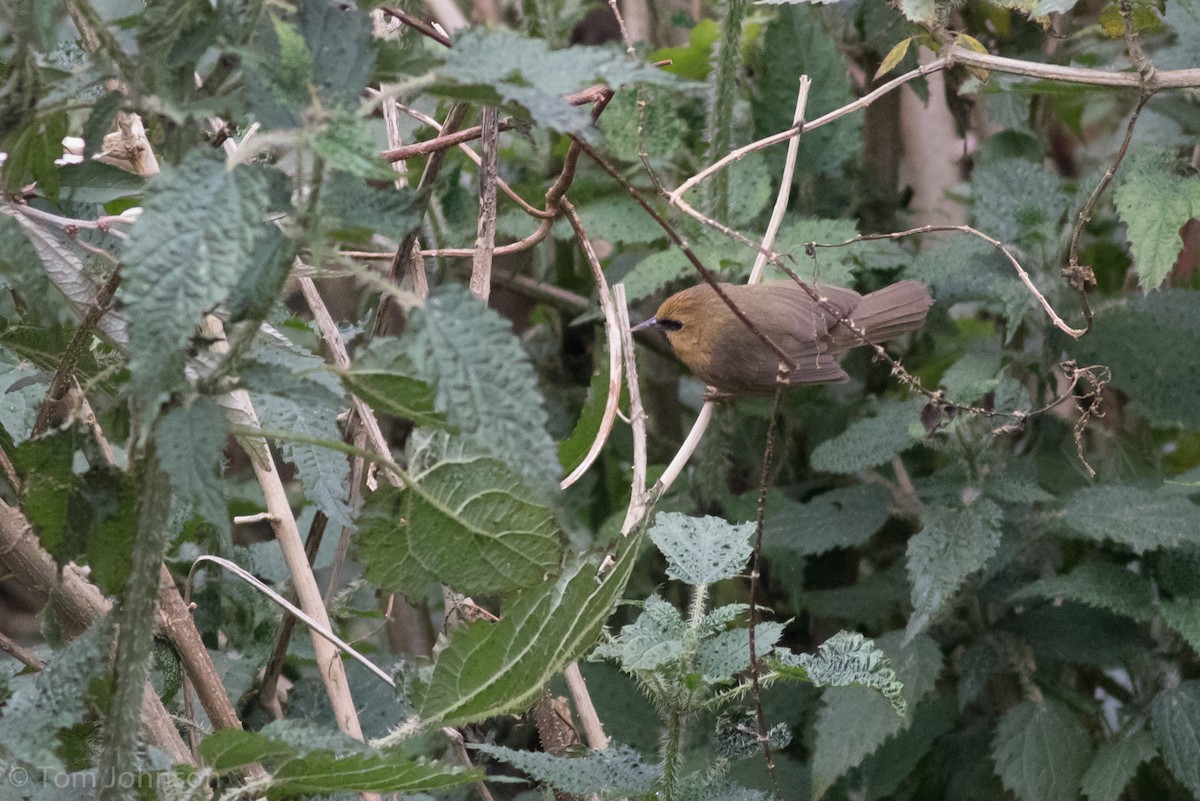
(855, 721)
(615, 771)
(97, 182)
(1176, 717)
(485, 384)
(1115, 763)
(492, 668)
(721, 657)
(1166, 324)
(200, 225)
(56, 699)
(345, 143)
(1183, 616)
(1041, 751)
(356, 204)
(1139, 519)
(1101, 584)
(658, 270)
(523, 71)
(919, 11)
(20, 395)
(841, 518)
(383, 377)
(701, 550)
(619, 220)
(872, 440)
(1154, 203)
(952, 544)
(846, 659)
(893, 57)
(48, 483)
(572, 449)
(100, 122)
(468, 523)
(831, 265)
(261, 283)
(190, 441)
(653, 640)
(324, 472)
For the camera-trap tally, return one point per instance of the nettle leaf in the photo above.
(846, 659)
(1115, 763)
(613, 772)
(655, 639)
(506, 66)
(572, 449)
(1154, 203)
(617, 219)
(1101, 584)
(468, 523)
(202, 223)
(383, 377)
(1166, 324)
(658, 270)
(661, 127)
(190, 442)
(324, 763)
(356, 204)
(841, 518)
(1183, 616)
(258, 289)
(1041, 751)
(492, 668)
(56, 698)
(1134, 517)
(20, 394)
(701, 550)
(97, 182)
(831, 265)
(324, 472)
(722, 657)
(346, 143)
(872, 440)
(1016, 199)
(486, 386)
(1176, 717)
(855, 721)
(952, 544)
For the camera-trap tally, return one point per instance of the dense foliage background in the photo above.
(266, 330)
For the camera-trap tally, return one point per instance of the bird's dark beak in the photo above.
(642, 326)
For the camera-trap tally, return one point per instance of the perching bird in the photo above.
(726, 355)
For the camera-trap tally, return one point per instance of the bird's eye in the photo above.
(670, 325)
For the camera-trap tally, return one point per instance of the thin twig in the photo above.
(420, 26)
(485, 232)
(638, 499)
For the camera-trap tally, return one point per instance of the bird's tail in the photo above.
(888, 313)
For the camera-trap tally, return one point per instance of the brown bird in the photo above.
(726, 355)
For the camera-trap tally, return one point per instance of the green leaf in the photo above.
(382, 376)
(922, 12)
(655, 639)
(1167, 324)
(846, 660)
(261, 283)
(1139, 519)
(658, 270)
(701, 550)
(356, 204)
(1176, 717)
(190, 441)
(504, 66)
(855, 721)
(1183, 616)
(97, 182)
(1115, 763)
(613, 772)
(952, 544)
(693, 61)
(722, 657)
(1101, 584)
(56, 699)
(492, 668)
(893, 57)
(201, 224)
(100, 122)
(662, 128)
(619, 220)
(831, 265)
(1016, 199)
(841, 518)
(468, 523)
(324, 472)
(1041, 751)
(21, 394)
(572, 449)
(1154, 203)
(48, 482)
(872, 440)
(485, 384)
(346, 144)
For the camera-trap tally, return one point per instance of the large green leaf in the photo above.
(484, 382)
(1176, 716)
(613, 772)
(1154, 203)
(1042, 750)
(492, 668)
(383, 377)
(189, 441)
(1108, 586)
(845, 660)
(872, 440)
(202, 223)
(952, 544)
(1115, 763)
(1137, 518)
(845, 517)
(468, 523)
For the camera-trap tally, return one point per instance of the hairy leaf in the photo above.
(1154, 203)
(701, 550)
(491, 668)
(847, 659)
(1134, 517)
(721, 657)
(841, 518)
(1101, 584)
(1176, 717)
(1115, 763)
(468, 523)
(383, 377)
(952, 544)
(1041, 751)
(356, 204)
(190, 441)
(201, 223)
(1183, 615)
(872, 440)
(614, 771)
